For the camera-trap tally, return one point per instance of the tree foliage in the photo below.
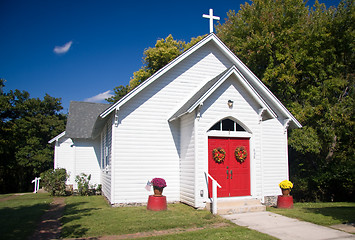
(155, 58)
(83, 182)
(25, 128)
(306, 57)
(53, 181)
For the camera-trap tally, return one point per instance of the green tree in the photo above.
(155, 58)
(53, 181)
(306, 57)
(25, 128)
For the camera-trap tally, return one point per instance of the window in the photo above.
(106, 146)
(227, 125)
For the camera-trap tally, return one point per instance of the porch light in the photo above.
(230, 103)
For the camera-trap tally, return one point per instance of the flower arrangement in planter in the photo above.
(286, 186)
(218, 155)
(240, 154)
(158, 185)
(285, 200)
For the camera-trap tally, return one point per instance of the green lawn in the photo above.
(92, 217)
(225, 233)
(325, 214)
(6, 195)
(19, 216)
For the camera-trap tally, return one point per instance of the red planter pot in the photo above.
(284, 201)
(157, 203)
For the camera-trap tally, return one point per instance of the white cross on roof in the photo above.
(211, 17)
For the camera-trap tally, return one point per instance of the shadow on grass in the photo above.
(20, 222)
(75, 231)
(73, 213)
(343, 214)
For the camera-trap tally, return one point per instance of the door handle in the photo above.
(231, 174)
(227, 174)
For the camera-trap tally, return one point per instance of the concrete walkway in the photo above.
(285, 228)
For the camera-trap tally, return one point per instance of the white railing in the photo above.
(214, 193)
(36, 181)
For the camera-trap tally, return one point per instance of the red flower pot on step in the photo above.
(285, 200)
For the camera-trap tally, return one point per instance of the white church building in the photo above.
(172, 124)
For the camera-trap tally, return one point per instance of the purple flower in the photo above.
(159, 182)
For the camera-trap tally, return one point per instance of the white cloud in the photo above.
(63, 49)
(99, 97)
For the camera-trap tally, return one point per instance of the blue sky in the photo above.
(78, 49)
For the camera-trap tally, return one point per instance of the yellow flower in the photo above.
(285, 184)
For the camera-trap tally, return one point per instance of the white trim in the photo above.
(112, 160)
(56, 138)
(233, 134)
(286, 124)
(243, 81)
(196, 139)
(256, 80)
(220, 81)
(244, 70)
(262, 163)
(158, 74)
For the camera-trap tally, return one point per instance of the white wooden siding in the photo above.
(64, 157)
(106, 159)
(78, 156)
(245, 111)
(146, 144)
(187, 159)
(275, 157)
(87, 153)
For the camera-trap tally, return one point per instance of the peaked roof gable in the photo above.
(206, 90)
(159, 73)
(265, 94)
(82, 117)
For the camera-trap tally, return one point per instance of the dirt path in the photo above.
(8, 198)
(12, 196)
(50, 227)
(153, 233)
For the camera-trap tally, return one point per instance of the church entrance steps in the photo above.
(233, 206)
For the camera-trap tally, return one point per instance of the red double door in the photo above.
(233, 176)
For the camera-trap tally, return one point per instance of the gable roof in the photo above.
(265, 94)
(206, 90)
(82, 118)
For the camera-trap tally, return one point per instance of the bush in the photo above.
(53, 181)
(83, 184)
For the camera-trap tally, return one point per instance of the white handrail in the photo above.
(214, 193)
(36, 181)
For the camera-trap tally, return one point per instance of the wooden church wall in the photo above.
(87, 154)
(275, 156)
(106, 155)
(146, 144)
(187, 159)
(64, 157)
(78, 156)
(245, 110)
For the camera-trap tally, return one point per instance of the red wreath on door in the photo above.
(218, 154)
(241, 154)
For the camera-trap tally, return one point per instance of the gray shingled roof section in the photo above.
(198, 94)
(82, 117)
